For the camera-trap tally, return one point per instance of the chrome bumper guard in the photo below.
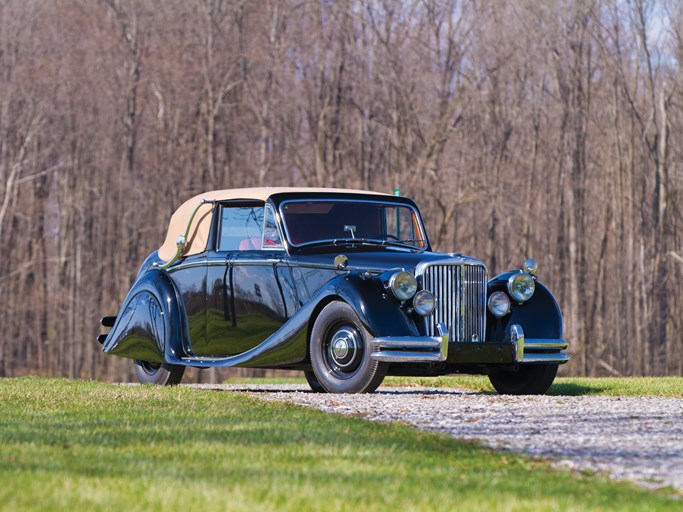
(434, 349)
(528, 351)
(408, 349)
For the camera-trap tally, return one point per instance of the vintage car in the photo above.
(341, 284)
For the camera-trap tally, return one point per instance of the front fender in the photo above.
(540, 316)
(377, 309)
(151, 325)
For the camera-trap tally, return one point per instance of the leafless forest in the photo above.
(529, 127)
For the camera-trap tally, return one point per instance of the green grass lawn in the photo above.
(78, 445)
(567, 386)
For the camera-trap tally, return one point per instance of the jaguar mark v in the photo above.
(341, 284)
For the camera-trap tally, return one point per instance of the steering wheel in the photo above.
(387, 236)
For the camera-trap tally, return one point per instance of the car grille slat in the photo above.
(460, 292)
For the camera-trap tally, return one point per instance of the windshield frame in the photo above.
(331, 241)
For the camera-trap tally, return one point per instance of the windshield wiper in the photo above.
(362, 241)
(343, 241)
(406, 243)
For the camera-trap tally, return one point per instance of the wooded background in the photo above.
(548, 129)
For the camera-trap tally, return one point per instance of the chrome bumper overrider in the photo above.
(408, 349)
(533, 350)
(428, 349)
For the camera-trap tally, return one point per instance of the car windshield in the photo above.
(316, 221)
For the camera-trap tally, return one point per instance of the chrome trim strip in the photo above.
(326, 266)
(198, 359)
(546, 358)
(406, 357)
(405, 342)
(322, 266)
(193, 264)
(407, 349)
(543, 344)
(255, 262)
(224, 262)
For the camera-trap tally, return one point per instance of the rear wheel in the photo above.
(528, 380)
(340, 352)
(162, 374)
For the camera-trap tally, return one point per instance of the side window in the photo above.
(271, 234)
(241, 228)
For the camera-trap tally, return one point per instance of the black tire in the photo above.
(313, 382)
(528, 380)
(348, 368)
(160, 374)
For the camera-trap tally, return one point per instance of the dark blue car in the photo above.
(341, 284)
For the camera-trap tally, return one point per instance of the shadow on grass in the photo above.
(557, 389)
(571, 389)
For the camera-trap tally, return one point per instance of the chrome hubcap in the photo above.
(341, 348)
(344, 349)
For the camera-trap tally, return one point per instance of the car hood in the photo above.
(380, 261)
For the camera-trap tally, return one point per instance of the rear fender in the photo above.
(151, 325)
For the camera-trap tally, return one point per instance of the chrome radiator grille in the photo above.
(460, 292)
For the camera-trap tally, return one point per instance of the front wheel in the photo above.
(313, 382)
(161, 374)
(527, 380)
(340, 352)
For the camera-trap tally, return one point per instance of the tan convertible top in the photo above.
(198, 235)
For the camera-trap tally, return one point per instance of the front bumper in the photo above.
(433, 349)
(411, 349)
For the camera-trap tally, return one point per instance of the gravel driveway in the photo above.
(634, 438)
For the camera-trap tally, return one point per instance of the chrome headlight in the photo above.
(521, 287)
(423, 303)
(499, 304)
(403, 285)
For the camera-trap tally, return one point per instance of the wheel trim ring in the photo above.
(343, 340)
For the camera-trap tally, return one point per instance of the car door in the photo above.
(246, 300)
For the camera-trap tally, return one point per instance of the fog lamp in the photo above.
(499, 304)
(423, 303)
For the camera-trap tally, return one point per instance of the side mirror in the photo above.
(530, 266)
